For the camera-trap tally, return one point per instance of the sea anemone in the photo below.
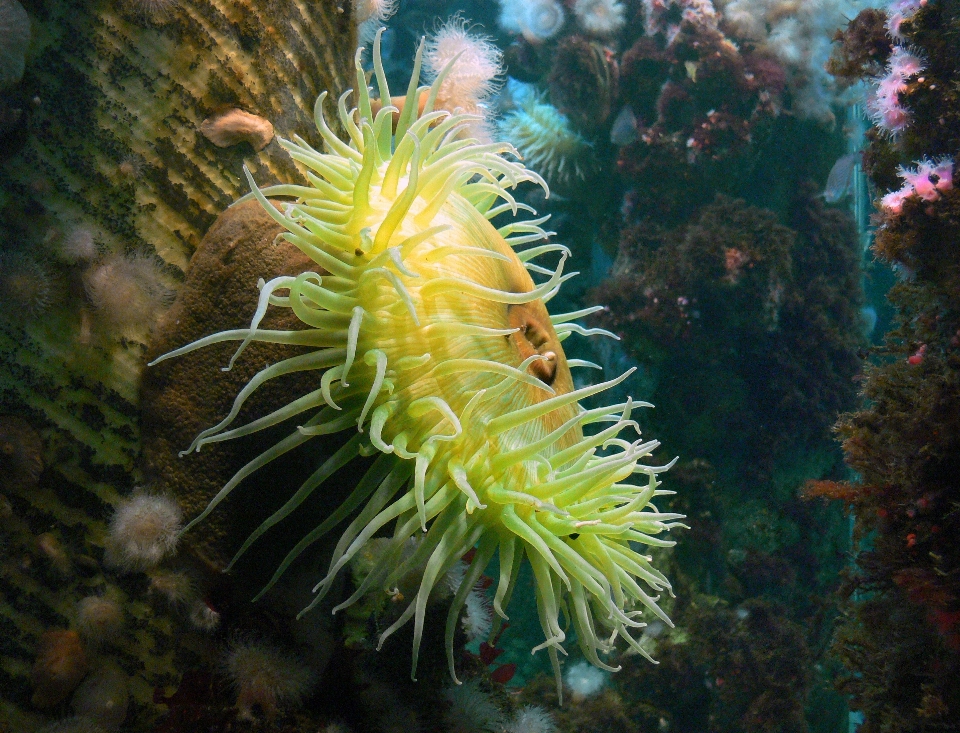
(203, 617)
(884, 103)
(531, 719)
(143, 531)
(926, 181)
(103, 697)
(24, 287)
(472, 64)
(99, 619)
(265, 677)
(599, 17)
(369, 15)
(157, 11)
(536, 20)
(175, 586)
(546, 141)
(60, 665)
(437, 352)
(126, 291)
(477, 615)
(584, 680)
(471, 709)
(78, 245)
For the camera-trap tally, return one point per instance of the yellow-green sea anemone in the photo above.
(433, 345)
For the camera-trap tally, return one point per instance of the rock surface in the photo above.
(182, 396)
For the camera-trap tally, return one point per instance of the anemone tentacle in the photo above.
(432, 341)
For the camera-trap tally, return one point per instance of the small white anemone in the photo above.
(584, 680)
(536, 20)
(143, 531)
(531, 719)
(369, 15)
(474, 64)
(600, 17)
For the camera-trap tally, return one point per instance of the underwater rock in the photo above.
(14, 39)
(103, 697)
(102, 135)
(220, 291)
(236, 126)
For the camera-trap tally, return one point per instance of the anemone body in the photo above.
(437, 352)
(546, 140)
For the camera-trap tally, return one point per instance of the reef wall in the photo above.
(900, 635)
(111, 171)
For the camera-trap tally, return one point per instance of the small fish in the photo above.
(868, 319)
(624, 130)
(840, 179)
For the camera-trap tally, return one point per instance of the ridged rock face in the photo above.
(107, 139)
(183, 396)
(117, 85)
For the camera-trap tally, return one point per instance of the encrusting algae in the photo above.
(435, 342)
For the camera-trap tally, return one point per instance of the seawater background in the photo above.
(744, 318)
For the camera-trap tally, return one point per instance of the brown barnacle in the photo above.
(60, 665)
(234, 126)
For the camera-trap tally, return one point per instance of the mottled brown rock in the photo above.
(182, 396)
(21, 453)
(60, 665)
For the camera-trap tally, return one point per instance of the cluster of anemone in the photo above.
(901, 11)
(798, 34)
(435, 351)
(927, 181)
(884, 102)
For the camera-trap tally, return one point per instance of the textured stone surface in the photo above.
(182, 396)
(104, 135)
